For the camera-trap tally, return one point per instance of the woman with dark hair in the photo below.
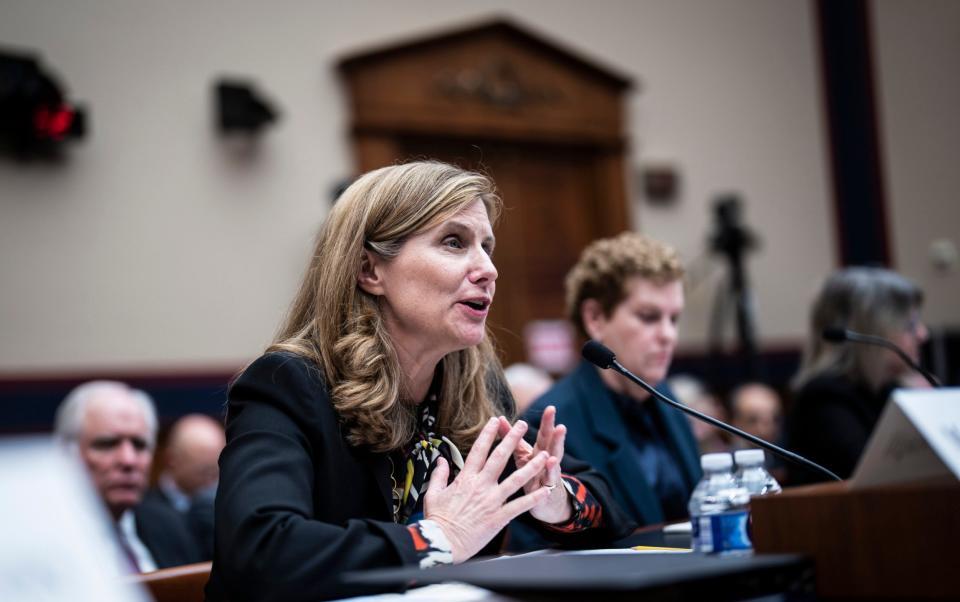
(366, 436)
(841, 388)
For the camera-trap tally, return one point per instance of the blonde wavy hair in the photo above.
(334, 323)
(605, 265)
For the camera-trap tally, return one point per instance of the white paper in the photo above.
(442, 592)
(684, 527)
(917, 438)
(56, 539)
(628, 551)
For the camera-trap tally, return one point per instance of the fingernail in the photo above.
(521, 424)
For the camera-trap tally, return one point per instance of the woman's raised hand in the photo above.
(474, 507)
(556, 508)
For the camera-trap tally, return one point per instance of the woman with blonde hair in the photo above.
(841, 388)
(366, 435)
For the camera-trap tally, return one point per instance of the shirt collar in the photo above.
(127, 524)
(179, 499)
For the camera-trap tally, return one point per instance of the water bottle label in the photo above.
(725, 532)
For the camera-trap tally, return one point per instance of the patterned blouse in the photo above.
(412, 466)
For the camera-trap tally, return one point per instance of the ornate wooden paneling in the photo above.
(546, 124)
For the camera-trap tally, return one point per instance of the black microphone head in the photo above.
(597, 354)
(834, 335)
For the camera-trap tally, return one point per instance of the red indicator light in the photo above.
(52, 123)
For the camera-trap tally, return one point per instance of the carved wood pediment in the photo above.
(494, 79)
(498, 84)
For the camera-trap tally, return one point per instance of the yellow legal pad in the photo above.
(659, 549)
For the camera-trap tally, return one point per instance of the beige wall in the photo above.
(918, 58)
(155, 246)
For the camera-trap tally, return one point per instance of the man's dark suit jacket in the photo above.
(164, 532)
(597, 435)
(198, 518)
(297, 505)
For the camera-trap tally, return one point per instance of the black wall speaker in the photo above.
(35, 117)
(240, 108)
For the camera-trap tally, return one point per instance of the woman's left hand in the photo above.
(556, 508)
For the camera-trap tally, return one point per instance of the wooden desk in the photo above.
(176, 584)
(884, 543)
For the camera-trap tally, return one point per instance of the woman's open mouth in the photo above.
(476, 307)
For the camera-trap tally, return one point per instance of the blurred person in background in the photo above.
(188, 479)
(692, 392)
(526, 383)
(842, 388)
(113, 429)
(756, 409)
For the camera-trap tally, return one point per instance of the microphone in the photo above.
(599, 355)
(840, 335)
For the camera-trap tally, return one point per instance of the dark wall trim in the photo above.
(846, 63)
(28, 403)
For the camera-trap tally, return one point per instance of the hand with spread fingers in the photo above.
(474, 507)
(557, 507)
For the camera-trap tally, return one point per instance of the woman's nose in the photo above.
(668, 329)
(483, 270)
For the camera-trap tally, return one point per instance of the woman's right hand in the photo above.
(474, 508)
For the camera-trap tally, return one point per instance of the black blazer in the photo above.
(200, 518)
(830, 423)
(297, 506)
(165, 533)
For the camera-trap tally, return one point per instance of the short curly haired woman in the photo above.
(627, 292)
(366, 435)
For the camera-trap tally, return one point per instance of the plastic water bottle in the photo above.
(719, 509)
(752, 475)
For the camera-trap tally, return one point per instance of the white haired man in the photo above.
(113, 429)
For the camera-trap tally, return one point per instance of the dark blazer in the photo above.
(597, 435)
(164, 531)
(830, 422)
(198, 518)
(297, 506)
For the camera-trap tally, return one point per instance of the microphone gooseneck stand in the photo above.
(600, 356)
(840, 335)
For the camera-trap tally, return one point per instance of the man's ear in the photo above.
(370, 278)
(593, 318)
